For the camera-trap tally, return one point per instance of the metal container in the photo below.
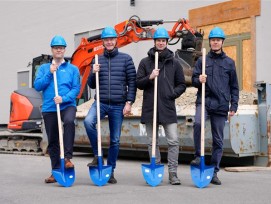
(245, 134)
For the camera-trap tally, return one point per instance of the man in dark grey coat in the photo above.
(171, 84)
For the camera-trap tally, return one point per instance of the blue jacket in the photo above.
(68, 81)
(221, 89)
(117, 78)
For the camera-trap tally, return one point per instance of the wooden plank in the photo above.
(230, 28)
(223, 12)
(248, 81)
(231, 51)
(247, 169)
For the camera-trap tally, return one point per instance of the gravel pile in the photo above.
(189, 97)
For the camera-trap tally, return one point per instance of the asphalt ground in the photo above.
(22, 181)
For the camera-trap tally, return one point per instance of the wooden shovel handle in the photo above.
(203, 104)
(98, 110)
(60, 133)
(154, 126)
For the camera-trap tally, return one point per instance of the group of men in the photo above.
(118, 84)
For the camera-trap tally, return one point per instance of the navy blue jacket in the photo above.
(117, 78)
(221, 89)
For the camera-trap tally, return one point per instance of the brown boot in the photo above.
(68, 164)
(50, 179)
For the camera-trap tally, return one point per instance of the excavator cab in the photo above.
(25, 103)
(25, 110)
(189, 53)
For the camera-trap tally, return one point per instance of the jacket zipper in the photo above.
(109, 78)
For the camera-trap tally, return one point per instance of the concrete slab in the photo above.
(22, 181)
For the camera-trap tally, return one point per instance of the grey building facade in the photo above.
(28, 26)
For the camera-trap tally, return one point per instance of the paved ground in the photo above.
(22, 181)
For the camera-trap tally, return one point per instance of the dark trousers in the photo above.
(51, 127)
(217, 128)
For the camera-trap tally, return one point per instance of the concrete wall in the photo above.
(28, 26)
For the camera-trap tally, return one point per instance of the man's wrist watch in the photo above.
(130, 102)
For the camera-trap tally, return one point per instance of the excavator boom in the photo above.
(129, 31)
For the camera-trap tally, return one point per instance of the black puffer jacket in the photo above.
(222, 90)
(171, 84)
(117, 78)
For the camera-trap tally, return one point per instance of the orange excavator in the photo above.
(135, 30)
(25, 104)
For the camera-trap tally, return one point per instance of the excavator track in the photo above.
(22, 153)
(21, 143)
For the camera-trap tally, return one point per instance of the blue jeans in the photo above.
(217, 128)
(115, 118)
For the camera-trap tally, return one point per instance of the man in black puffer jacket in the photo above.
(171, 84)
(221, 97)
(117, 76)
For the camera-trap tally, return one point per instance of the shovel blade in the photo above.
(153, 173)
(65, 177)
(202, 175)
(100, 174)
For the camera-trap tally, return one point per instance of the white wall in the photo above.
(263, 43)
(28, 26)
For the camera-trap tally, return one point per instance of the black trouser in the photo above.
(217, 128)
(51, 127)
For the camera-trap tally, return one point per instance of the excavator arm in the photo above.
(129, 31)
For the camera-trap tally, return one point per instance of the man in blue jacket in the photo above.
(221, 96)
(68, 79)
(117, 93)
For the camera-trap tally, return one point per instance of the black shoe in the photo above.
(173, 179)
(195, 162)
(112, 179)
(94, 162)
(215, 180)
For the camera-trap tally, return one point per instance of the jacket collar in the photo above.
(215, 55)
(164, 55)
(112, 53)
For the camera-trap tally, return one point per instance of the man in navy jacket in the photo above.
(221, 96)
(117, 76)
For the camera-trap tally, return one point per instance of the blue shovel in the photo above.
(153, 173)
(63, 176)
(202, 175)
(99, 174)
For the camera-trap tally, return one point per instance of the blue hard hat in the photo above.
(58, 41)
(161, 33)
(217, 33)
(109, 32)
